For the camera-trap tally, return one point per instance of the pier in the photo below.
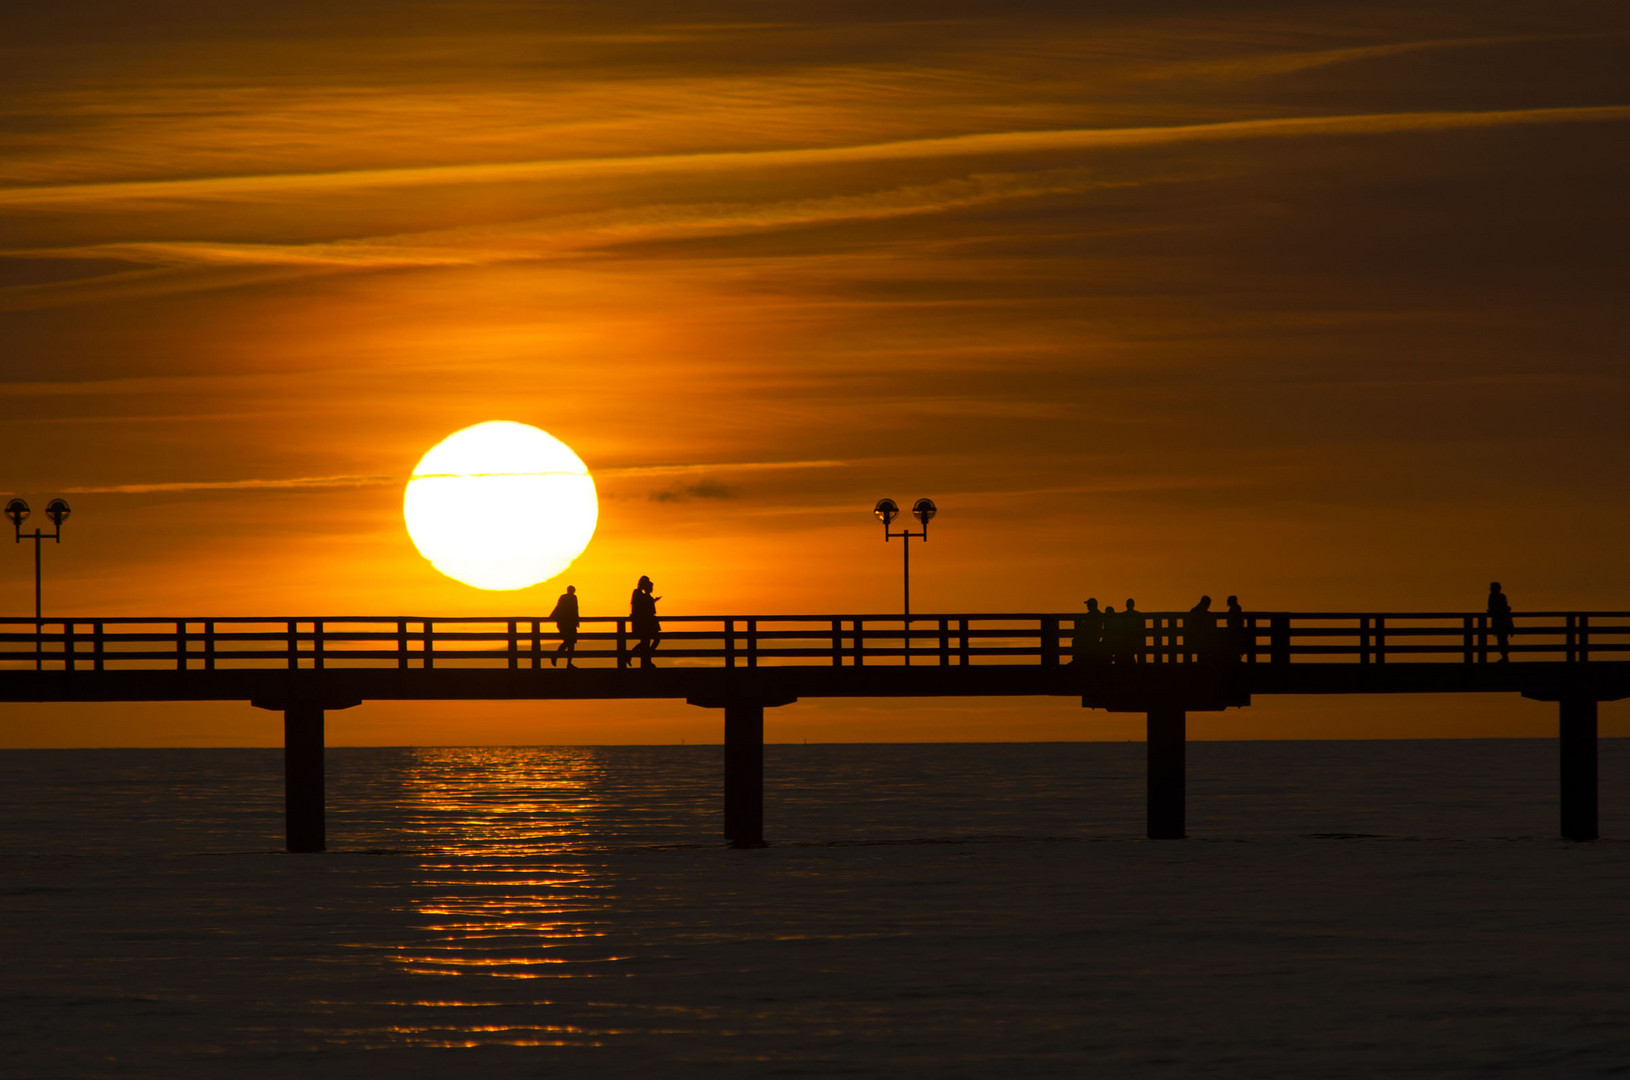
(305, 667)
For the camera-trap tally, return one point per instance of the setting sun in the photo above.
(501, 505)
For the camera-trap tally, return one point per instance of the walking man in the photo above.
(566, 621)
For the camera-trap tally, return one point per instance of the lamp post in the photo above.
(923, 510)
(57, 510)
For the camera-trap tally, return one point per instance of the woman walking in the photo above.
(642, 611)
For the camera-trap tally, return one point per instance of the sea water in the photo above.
(1340, 909)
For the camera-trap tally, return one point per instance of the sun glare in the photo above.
(501, 505)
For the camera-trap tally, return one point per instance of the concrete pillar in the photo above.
(303, 776)
(1577, 731)
(744, 773)
(1166, 780)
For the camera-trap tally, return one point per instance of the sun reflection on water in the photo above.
(506, 889)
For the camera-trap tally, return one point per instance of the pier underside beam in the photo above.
(1577, 731)
(1167, 745)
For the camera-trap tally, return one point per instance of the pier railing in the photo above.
(419, 642)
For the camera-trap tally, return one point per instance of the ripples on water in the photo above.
(936, 910)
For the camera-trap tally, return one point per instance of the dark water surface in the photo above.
(1341, 909)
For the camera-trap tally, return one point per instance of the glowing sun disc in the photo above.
(500, 505)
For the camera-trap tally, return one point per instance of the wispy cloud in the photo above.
(991, 143)
(542, 237)
(235, 485)
(706, 488)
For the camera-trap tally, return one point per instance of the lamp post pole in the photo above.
(57, 510)
(887, 510)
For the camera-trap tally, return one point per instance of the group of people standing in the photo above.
(1110, 637)
(642, 623)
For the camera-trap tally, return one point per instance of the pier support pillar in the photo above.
(744, 773)
(1167, 746)
(303, 795)
(744, 761)
(1577, 731)
(303, 777)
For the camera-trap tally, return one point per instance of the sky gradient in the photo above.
(1320, 304)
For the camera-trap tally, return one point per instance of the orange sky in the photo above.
(1320, 304)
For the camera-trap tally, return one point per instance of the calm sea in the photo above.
(1342, 909)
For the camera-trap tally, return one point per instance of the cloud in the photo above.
(235, 485)
(541, 237)
(702, 489)
(740, 161)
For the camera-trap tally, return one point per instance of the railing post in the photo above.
(429, 628)
(1571, 640)
(401, 645)
(317, 644)
(1584, 639)
(1279, 639)
(181, 646)
(1467, 625)
(1049, 641)
(67, 646)
(209, 645)
(860, 644)
(1380, 639)
(1250, 639)
(294, 645)
(752, 643)
(837, 642)
(98, 646)
(1482, 639)
(622, 643)
(905, 640)
(945, 643)
(730, 643)
(514, 647)
(537, 643)
(962, 629)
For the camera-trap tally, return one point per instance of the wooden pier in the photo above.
(741, 665)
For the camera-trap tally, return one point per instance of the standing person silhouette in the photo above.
(642, 611)
(1132, 627)
(1086, 647)
(1499, 612)
(1199, 630)
(566, 621)
(1236, 629)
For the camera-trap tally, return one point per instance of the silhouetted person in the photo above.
(642, 611)
(1087, 645)
(1236, 629)
(1200, 631)
(1129, 635)
(1500, 620)
(566, 621)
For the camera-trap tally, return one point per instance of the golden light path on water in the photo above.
(501, 505)
(491, 903)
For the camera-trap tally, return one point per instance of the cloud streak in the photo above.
(992, 143)
(701, 489)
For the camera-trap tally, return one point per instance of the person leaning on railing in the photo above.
(1087, 645)
(1236, 631)
(1200, 632)
(1499, 612)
